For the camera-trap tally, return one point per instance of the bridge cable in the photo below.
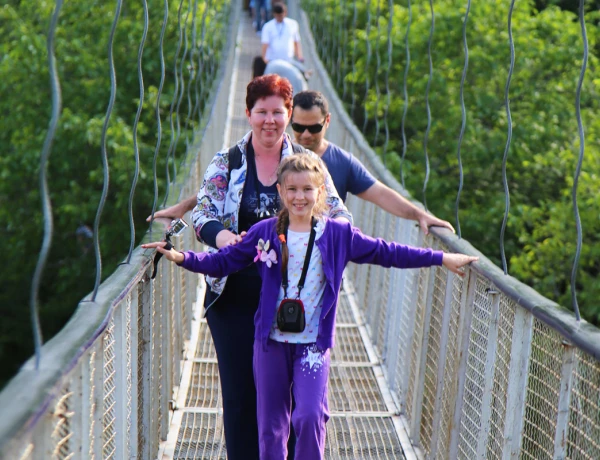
(198, 88)
(157, 109)
(579, 161)
(177, 95)
(367, 70)
(405, 92)
(111, 103)
(426, 138)
(509, 137)
(192, 70)
(377, 71)
(387, 81)
(45, 196)
(463, 117)
(135, 131)
(354, 52)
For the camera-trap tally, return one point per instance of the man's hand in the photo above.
(177, 211)
(454, 262)
(427, 220)
(171, 254)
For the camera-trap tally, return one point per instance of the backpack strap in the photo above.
(235, 156)
(235, 159)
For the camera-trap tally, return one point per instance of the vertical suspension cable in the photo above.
(367, 70)
(405, 92)
(378, 67)
(464, 116)
(176, 97)
(111, 103)
(199, 92)
(135, 130)
(509, 137)
(340, 49)
(45, 195)
(157, 108)
(342, 62)
(192, 69)
(387, 80)
(354, 72)
(579, 162)
(426, 138)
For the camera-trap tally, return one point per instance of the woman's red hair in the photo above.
(269, 85)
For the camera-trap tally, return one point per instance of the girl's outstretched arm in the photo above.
(454, 262)
(171, 254)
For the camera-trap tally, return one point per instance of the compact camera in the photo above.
(176, 228)
(290, 316)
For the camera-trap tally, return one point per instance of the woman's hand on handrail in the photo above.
(171, 254)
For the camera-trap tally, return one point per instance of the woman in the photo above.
(227, 205)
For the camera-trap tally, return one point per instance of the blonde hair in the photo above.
(299, 163)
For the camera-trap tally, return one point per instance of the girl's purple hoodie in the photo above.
(339, 244)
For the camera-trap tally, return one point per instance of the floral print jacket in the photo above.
(219, 197)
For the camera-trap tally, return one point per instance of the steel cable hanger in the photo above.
(429, 79)
(44, 194)
(579, 161)
(463, 117)
(405, 92)
(177, 96)
(157, 108)
(509, 137)
(377, 70)
(111, 103)
(387, 80)
(136, 151)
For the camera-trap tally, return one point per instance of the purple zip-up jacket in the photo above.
(339, 244)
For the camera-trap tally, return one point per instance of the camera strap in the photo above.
(158, 256)
(311, 243)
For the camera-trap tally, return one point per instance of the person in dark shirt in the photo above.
(310, 120)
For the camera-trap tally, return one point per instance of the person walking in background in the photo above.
(300, 256)
(280, 37)
(310, 120)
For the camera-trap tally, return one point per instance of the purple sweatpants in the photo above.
(275, 370)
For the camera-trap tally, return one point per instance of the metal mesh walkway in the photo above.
(363, 422)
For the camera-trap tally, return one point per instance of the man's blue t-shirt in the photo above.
(347, 172)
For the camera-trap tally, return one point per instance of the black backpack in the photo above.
(235, 156)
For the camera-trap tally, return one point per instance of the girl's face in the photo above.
(268, 119)
(299, 194)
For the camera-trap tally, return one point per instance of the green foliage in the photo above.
(540, 239)
(75, 174)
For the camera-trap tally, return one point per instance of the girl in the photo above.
(301, 256)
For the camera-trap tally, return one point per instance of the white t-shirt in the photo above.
(314, 287)
(280, 36)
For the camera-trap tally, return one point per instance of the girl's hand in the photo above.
(171, 254)
(454, 262)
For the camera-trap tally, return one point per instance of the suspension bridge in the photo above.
(426, 365)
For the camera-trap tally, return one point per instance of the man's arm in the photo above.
(265, 46)
(394, 203)
(298, 51)
(176, 211)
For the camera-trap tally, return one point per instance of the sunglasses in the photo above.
(313, 129)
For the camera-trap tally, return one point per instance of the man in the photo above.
(311, 113)
(280, 37)
(310, 120)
